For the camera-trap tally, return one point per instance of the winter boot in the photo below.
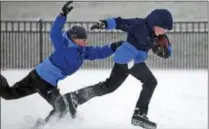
(72, 101)
(141, 119)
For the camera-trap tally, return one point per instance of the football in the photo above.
(162, 41)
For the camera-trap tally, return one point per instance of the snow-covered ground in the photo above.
(180, 101)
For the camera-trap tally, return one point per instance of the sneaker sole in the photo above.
(144, 124)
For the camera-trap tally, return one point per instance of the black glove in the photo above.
(115, 45)
(66, 9)
(161, 51)
(101, 24)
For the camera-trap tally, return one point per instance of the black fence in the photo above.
(24, 44)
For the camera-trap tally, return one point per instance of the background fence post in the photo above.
(40, 39)
(1, 61)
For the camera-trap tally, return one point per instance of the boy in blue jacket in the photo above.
(144, 34)
(70, 52)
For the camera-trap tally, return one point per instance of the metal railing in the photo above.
(24, 44)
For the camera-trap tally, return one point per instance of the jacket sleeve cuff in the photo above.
(170, 50)
(111, 23)
(61, 16)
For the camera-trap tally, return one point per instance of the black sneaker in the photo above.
(141, 119)
(3, 81)
(4, 86)
(72, 101)
(75, 99)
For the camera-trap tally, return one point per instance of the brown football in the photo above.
(162, 41)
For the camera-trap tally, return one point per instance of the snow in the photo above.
(179, 101)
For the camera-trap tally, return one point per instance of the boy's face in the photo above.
(159, 31)
(80, 42)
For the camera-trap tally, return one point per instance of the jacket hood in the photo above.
(161, 18)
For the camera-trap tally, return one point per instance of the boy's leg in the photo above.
(32, 83)
(61, 105)
(118, 75)
(149, 82)
(20, 89)
(52, 95)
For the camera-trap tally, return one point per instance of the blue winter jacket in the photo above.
(67, 57)
(140, 35)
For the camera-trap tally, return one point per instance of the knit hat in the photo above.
(77, 32)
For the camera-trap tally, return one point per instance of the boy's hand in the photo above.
(161, 51)
(115, 45)
(66, 9)
(101, 24)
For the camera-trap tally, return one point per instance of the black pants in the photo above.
(149, 83)
(29, 85)
(118, 75)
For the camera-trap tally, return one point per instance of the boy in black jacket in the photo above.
(144, 34)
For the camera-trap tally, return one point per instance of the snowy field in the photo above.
(180, 101)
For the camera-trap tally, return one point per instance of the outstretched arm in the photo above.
(101, 52)
(56, 30)
(126, 25)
